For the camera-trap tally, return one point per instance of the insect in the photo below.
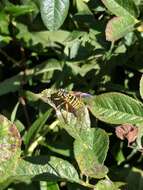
(69, 101)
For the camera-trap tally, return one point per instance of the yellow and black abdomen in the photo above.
(67, 101)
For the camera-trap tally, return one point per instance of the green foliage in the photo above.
(54, 12)
(93, 50)
(117, 108)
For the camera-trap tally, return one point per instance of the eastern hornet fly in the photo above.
(69, 101)
(69, 105)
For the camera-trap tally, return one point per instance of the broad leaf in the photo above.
(43, 37)
(10, 142)
(54, 12)
(118, 27)
(126, 12)
(117, 108)
(90, 152)
(13, 84)
(82, 7)
(108, 185)
(45, 168)
(122, 8)
(73, 124)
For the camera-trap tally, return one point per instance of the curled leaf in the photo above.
(127, 131)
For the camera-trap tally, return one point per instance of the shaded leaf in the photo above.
(13, 84)
(49, 65)
(43, 37)
(35, 128)
(17, 10)
(135, 179)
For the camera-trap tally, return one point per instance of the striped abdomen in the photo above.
(70, 99)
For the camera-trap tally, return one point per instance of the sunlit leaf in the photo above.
(90, 152)
(44, 185)
(126, 12)
(118, 27)
(46, 168)
(13, 115)
(54, 12)
(108, 185)
(122, 8)
(141, 87)
(73, 124)
(10, 142)
(117, 108)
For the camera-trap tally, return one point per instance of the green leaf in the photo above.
(44, 185)
(141, 87)
(13, 114)
(84, 69)
(119, 27)
(4, 22)
(36, 127)
(132, 176)
(49, 65)
(54, 12)
(43, 37)
(10, 142)
(30, 96)
(117, 108)
(20, 126)
(73, 124)
(135, 179)
(108, 185)
(44, 168)
(126, 12)
(122, 8)
(90, 152)
(13, 84)
(17, 10)
(117, 152)
(82, 7)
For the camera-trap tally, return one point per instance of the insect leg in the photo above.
(67, 110)
(58, 107)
